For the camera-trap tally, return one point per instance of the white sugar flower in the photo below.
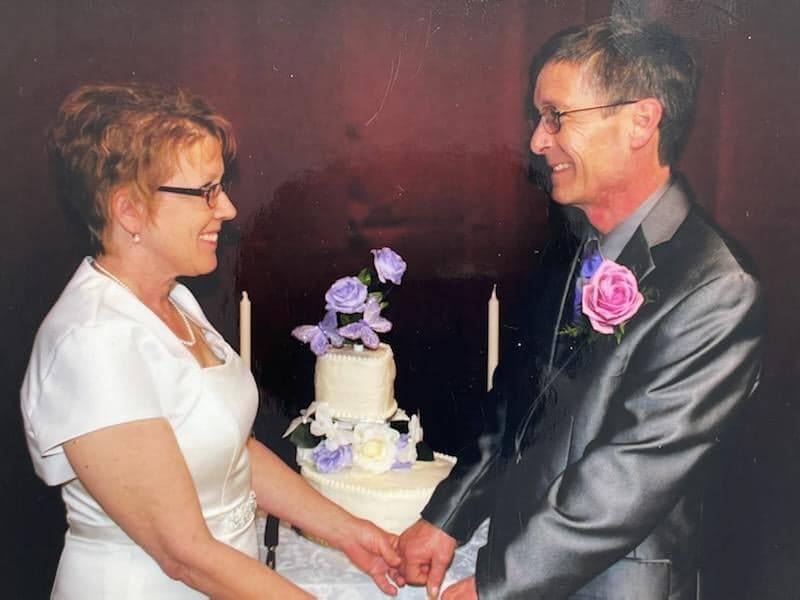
(400, 415)
(305, 417)
(336, 437)
(324, 426)
(323, 422)
(374, 447)
(415, 430)
(304, 456)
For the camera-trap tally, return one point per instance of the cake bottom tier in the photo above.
(392, 500)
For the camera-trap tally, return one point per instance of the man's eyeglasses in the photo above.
(551, 118)
(209, 193)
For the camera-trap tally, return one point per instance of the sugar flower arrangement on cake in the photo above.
(332, 445)
(353, 306)
(324, 438)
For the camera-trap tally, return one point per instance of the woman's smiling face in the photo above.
(182, 232)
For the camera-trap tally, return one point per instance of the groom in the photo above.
(641, 347)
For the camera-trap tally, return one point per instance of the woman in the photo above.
(132, 402)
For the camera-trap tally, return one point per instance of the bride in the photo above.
(132, 401)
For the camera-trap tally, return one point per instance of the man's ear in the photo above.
(126, 209)
(647, 114)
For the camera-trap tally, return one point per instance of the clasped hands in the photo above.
(426, 553)
(420, 556)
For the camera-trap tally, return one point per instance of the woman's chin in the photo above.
(209, 269)
(203, 267)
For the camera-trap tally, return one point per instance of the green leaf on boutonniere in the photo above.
(619, 331)
(303, 438)
(573, 330)
(580, 329)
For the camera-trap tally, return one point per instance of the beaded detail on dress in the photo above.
(243, 514)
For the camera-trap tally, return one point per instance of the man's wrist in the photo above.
(451, 523)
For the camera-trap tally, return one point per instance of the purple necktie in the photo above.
(590, 260)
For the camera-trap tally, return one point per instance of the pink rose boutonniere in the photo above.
(610, 298)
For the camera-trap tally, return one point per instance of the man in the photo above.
(627, 373)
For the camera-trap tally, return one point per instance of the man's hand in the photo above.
(373, 551)
(427, 552)
(462, 590)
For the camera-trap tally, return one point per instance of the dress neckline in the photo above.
(215, 342)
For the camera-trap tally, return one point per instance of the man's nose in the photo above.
(541, 140)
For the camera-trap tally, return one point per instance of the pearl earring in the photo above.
(136, 238)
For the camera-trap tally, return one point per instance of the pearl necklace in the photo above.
(192, 339)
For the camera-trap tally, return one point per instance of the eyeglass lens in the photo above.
(549, 118)
(212, 193)
(551, 121)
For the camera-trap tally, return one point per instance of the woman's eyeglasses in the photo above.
(209, 193)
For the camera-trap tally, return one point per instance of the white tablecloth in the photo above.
(327, 574)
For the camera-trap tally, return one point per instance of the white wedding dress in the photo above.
(102, 358)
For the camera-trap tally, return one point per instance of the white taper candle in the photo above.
(244, 329)
(493, 345)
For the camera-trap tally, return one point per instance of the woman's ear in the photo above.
(127, 210)
(647, 114)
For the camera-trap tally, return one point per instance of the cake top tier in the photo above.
(357, 384)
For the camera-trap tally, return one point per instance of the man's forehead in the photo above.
(560, 83)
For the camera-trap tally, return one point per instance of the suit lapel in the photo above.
(636, 255)
(658, 226)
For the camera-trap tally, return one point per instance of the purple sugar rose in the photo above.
(346, 295)
(389, 265)
(331, 461)
(611, 296)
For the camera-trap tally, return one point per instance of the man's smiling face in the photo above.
(587, 157)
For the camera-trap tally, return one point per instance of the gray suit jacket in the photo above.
(592, 463)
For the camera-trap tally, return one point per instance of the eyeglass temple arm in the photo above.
(180, 190)
(613, 104)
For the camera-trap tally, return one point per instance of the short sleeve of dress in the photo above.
(95, 377)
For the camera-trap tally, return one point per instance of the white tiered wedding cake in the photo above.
(354, 445)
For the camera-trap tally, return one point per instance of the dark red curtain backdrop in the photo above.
(400, 123)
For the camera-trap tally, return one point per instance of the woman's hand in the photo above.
(372, 550)
(285, 494)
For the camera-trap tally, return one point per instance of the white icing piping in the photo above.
(361, 356)
(321, 479)
(337, 414)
